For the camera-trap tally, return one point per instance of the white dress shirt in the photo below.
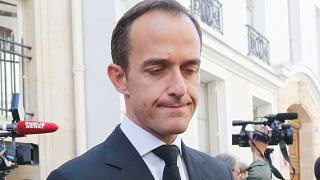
(144, 142)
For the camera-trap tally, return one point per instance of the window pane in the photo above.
(9, 62)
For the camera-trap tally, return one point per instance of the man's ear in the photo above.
(117, 76)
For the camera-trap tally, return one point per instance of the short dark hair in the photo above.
(120, 45)
(317, 168)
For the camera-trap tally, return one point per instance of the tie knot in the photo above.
(168, 153)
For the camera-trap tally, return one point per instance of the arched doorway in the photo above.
(300, 152)
(302, 95)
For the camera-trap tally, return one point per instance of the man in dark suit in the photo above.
(156, 49)
(317, 168)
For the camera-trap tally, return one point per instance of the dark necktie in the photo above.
(169, 154)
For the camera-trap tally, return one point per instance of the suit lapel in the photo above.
(121, 154)
(193, 162)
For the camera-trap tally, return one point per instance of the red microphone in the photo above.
(35, 127)
(30, 127)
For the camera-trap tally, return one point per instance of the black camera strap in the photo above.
(284, 152)
(283, 148)
(274, 170)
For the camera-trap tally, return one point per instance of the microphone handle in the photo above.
(8, 127)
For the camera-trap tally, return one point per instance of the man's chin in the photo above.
(176, 129)
(169, 135)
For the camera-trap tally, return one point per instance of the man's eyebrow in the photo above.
(193, 62)
(156, 61)
(166, 62)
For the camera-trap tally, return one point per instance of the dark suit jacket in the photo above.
(117, 159)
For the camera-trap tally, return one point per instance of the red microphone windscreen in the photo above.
(35, 127)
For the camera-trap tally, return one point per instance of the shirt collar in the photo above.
(142, 140)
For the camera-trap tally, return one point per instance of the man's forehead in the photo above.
(162, 25)
(158, 19)
(159, 12)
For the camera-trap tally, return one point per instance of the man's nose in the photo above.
(177, 85)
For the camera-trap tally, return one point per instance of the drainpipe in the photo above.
(78, 75)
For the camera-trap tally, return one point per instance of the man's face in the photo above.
(163, 76)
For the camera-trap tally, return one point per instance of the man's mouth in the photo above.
(174, 105)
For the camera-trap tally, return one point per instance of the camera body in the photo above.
(22, 154)
(279, 130)
(27, 154)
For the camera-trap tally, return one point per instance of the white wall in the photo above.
(308, 36)
(234, 20)
(277, 31)
(102, 101)
(303, 31)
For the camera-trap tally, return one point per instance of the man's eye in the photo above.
(155, 71)
(191, 71)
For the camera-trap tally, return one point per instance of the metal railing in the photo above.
(12, 71)
(258, 45)
(209, 11)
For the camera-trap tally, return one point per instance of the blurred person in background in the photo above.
(243, 169)
(233, 164)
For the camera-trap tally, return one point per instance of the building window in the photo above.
(260, 107)
(258, 44)
(203, 119)
(12, 58)
(207, 116)
(250, 7)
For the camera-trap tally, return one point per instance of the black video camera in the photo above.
(14, 154)
(22, 154)
(276, 122)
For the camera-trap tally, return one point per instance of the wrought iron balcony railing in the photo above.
(12, 71)
(209, 11)
(258, 45)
